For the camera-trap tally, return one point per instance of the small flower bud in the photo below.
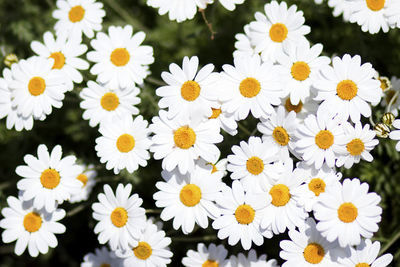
(382, 130)
(10, 59)
(388, 119)
(385, 83)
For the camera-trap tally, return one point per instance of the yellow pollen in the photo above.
(109, 101)
(278, 32)
(281, 136)
(190, 195)
(125, 143)
(280, 195)
(385, 83)
(184, 137)
(83, 178)
(210, 263)
(347, 212)
(143, 251)
(76, 14)
(314, 253)
(59, 60)
(300, 71)
(355, 147)
(119, 217)
(215, 113)
(317, 186)
(324, 139)
(375, 5)
(290, 107)
(50, 178)
(214, 168)
(346, 90)
(120, 57)
(190, 90)
(32, 222)
(363, 264)
(255, 165)
(36, 86)
(249, 87)
(244, 214)
(105, 265)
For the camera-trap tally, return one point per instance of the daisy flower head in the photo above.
(48, 179)
(252, 260)
(243, 45)
(366, 254)
(277, 30)
(87, 177)
(189, 91)
(225, 120)
(355, 144)
(104, 104)
(347, 87)
(119, 57)
(101, 257)
(341, 7)
(395, 134)
(152, 250)
(124, 144)
(189, 199)
(250, 85)
(121, 217)
(32, 228)
(231, 4)
(181, 141)
(347, 211)
(78, 16)
(302, 109)
(394, 14)
(211, 256)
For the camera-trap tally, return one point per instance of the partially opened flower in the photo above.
(102, 257)
(252, 260)
(211, 256)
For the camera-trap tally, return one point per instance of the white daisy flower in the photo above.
(188, 91)
(225, 120)
(278, 130)
(124, 144)
(241, 213)
(277, 30)
(389, 94)
(181, 141)
(213, 256)
(394, 14)
(308, 248)
(355, 144)
(87, 177)
(301, 65)
(302, 109)
(218, 166)
(395, 134)
(65, 53)
(341, 7)
(104, 104)
(102, 257)
(250, 85)
(251, 260)
(243, 44)
(121, 217)
(30, 227)
(152, 250)
(347, 212)
(5, 97)
(188, 199)
(48, 179)
(366, 255)
(119, 57)
(346, 88)
(231, 4)
(78, 16)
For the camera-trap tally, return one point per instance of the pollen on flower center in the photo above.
(346, 90)
(76, 14)
(109, 101)
(324, 139)
(317, 186)
(249, 87)
(278, 32)
(215, 113)
(210, 263)
(300, 70)
(32, 222)
(120, 57)
(281, 136)
(59, 60)
(363, 264)
(143, 251)
(119, 217)
(347, 212)
(83, 178)
(50, 178)
(290, 107)
(36, 86)
(190, 195)
(244, 214)
(280, 194)
(184, 137)
(190, 90)
(355, 147)
(375, 5)
(314, 253)
(255, 165)
(125, 143)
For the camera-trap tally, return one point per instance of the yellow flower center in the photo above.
(119, 217)
(314, 253)
(278, 32)
(255, 165)
(324, 139)
(36, 86)
(244, 214)
(105, 265)
(375, 5)
(281, 136)
(210, 263)
(190, 195)
(143, 251)
(346, 90)
(385, 83)
(125, 143)
(83, 178)
(347, 212)
(184, 137)
(355, 147)
(214, 168)
(109, 101)
(249, 87)
(290, 107)
(363, 264)
(280, 195)
(120, 57)
(190, 90)
(76, 14)
(215, 113)
(50, 178)
(317, 186)
(32, 222)
(59, 60)
(300, 71)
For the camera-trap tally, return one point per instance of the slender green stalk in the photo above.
(194, 239)
(390, 243)
(114, 5)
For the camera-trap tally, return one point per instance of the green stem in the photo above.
(194, 239)
(244, 129)
(153, 211)
(390, 243)
(76, 210)
(394, 97)
(113, 4)
(155, 81)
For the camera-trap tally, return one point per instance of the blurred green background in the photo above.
(22, 21)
